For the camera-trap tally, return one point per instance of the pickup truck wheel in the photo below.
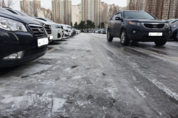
(160, 43)
(109, 37)
(124, 40)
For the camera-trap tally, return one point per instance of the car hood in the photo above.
(41, 21)
(148, 21)
(22, 19)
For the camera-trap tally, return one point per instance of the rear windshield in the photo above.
(137, 15)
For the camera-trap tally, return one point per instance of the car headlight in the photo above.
(11, 25)
(173, 26)
(135, 23)
(167, 25)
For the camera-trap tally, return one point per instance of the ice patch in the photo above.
(68, 69)
(112, 91)
(140, 92)
(34, 69)
(57, 104)
(165, 89)
(77, 77)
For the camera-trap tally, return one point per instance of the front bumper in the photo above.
(57, 34)
(13, 42)
(142, 34)
(50, 37)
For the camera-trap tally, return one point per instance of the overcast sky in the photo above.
(47, 3)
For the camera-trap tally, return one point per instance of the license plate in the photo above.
(155, 34)
(43, 41)
(51, 37)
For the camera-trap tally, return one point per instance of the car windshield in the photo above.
(137, 15)
(49, 20)
(21, 13)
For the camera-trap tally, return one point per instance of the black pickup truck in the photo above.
(138, 26)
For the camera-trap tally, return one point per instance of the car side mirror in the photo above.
(118, 18)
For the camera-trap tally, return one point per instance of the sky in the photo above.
(47, 3)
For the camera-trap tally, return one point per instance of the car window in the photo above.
(137, 15)
(21, 13)
(114, 17)
(175, 22)
(12, 11)
(119, 15)
(41, 19)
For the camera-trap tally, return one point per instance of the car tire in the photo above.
(109, 37)
(160, 43)
(124, 40)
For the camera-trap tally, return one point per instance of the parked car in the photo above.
(99, 31)
(95, 30)
(73, 32)
(22, 39)
(77, 31)
(174, 28)
(138, 26)
(66, 30)
(45, 25)
(56, 29)
(104, 31)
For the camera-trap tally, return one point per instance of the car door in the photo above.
(117, 25)
(111, 25)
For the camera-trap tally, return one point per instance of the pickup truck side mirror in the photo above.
(118, 18)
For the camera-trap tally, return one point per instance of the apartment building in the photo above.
(62, 11)
(162, 9)
(75, 14)
(91, 10)
(31, 8)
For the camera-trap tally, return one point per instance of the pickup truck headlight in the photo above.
(11, 25)
(135, 23)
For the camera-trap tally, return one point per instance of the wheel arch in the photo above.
(122, 28)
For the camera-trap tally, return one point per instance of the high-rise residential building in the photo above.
(91, 10)
(162, 9)
(62, 11)
(75, 14)
(29, 7)
(107, 11)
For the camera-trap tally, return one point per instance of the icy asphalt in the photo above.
(87, 77)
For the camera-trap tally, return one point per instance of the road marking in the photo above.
(51, 50)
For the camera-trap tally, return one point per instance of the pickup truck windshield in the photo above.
(137, 15)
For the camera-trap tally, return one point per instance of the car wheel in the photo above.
(109, 37)
(160, 43)
(124, 40)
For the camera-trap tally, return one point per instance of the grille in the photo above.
(154, 26)
(34, 51)
(37, 30)
(157, 26)
(48, 28)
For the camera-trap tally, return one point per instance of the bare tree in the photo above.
(7, 3)
(47, 13)
(31, 8)
(111, 12)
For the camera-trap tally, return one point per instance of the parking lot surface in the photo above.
(87, 77)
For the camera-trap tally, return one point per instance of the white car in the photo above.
(78, 31)
(57, 31)
(67, 30)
